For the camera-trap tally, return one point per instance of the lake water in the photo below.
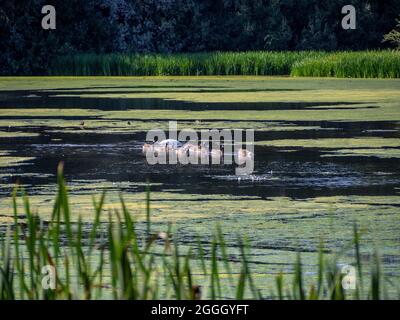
(326, 156)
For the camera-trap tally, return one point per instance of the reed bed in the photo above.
(111, 259)
(368, 64)
(365, 64)
(194, 64)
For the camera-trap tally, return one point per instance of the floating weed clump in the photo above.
(112, 258)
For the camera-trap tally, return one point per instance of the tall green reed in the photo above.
(191, 64)
(363, 64)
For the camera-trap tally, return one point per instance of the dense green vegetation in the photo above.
(366, 64)
(378, 64)
(146, 265)
(219, 63)
(151, 26)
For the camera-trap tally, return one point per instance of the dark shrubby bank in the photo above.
(169, 26)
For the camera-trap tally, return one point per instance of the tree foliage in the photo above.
(394, 35)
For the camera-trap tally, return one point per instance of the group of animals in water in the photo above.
(193, 151)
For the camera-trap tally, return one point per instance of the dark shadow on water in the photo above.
(40, 99)
(109, 104)
(300, 174)
(383, 129)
